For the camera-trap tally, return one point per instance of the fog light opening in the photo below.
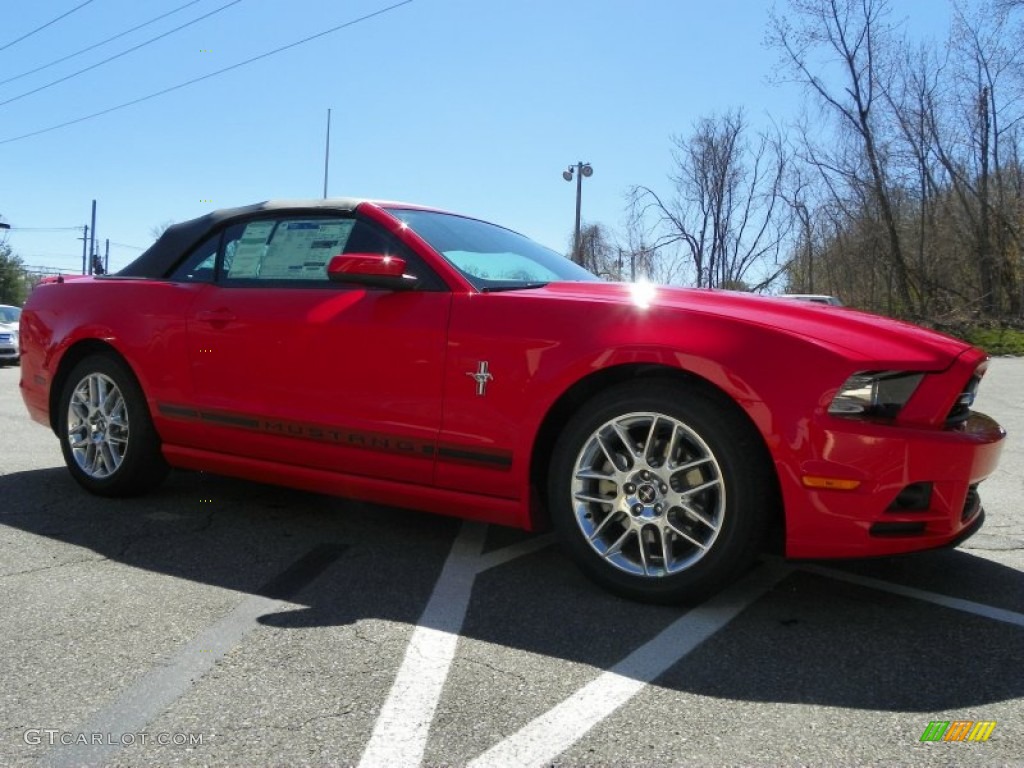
(916, 497)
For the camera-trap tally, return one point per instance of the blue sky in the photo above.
(476, 106)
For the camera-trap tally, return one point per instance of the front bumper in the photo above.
(918, 488)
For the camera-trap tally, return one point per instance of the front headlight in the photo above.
(874, 394)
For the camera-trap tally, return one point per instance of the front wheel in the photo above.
(660, 492)
(106, 434)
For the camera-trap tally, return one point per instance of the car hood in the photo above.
(859, 334)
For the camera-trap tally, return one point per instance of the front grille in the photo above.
(897, 529)
(962, 408)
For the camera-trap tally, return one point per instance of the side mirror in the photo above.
(372, 270)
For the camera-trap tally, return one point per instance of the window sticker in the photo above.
(249, 251)
(296, 250)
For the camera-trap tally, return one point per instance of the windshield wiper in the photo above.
(511, 286)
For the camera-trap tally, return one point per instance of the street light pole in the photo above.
(580, 170)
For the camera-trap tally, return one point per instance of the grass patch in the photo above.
(996, 341)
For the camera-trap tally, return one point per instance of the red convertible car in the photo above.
(412, 357)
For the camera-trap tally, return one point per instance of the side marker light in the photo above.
(830, 483)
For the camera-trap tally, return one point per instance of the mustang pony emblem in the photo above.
(481, 376)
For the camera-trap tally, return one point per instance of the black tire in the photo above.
(116, 450)
(688, 504)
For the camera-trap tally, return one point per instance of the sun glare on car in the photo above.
(643, 293)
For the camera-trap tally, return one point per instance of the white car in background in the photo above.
(817, 298)
(9, 317)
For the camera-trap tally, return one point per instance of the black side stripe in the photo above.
(178, 411)
(230, 419)
(370, 441)
(497, 459)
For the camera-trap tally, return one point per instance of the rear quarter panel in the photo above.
(142, 320)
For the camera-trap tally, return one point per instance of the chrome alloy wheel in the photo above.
(97, 426)
(648, 494)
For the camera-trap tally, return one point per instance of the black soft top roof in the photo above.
(158, 259)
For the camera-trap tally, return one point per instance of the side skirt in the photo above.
(485, 509)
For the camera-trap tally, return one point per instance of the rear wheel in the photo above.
(106, 434)
(660, 492)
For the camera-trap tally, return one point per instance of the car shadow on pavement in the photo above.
(811, 639)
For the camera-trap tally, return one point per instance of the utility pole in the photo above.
(106, 259)
(85, 247)
(92, 236)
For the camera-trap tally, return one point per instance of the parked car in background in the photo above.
(411, 357)
(9, 349)
(817, 298)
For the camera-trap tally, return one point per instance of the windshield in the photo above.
(490, 257)
(9, 315)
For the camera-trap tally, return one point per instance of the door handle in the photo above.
(215, 316)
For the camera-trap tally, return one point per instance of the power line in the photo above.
(119, 55)
(205, 77)
(45, 228)
(51, 257)
(40, 271)
(97, 45)
(40, 29)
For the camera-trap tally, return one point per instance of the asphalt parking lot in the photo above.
(219, 622)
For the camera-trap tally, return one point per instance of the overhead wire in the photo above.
(101, 42)
(40, 29)
(45, 229)
(119, 55)
(193, 81)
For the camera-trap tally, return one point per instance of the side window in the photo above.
(368, 238)
(199, 266)
(296, 251)
(365, 238)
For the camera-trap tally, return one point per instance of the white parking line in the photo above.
(509, 553)
(400, 735)
(956, 603)
(541, 741)
(402, 728)
(157, 690)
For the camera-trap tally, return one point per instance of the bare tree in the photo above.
(726, 213)
(158, 229)
(803, 196)
(914, 95)
(597, 253)
(990, 96)
(853, 35)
